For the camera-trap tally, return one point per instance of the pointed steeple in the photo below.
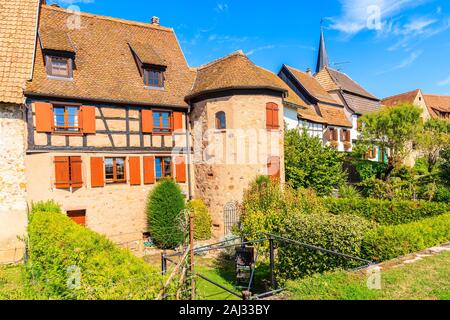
(322, 59)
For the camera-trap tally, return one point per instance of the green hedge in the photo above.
(387, 212)
(343, 233)
(58, 248)
(202, 220)
(389, 242)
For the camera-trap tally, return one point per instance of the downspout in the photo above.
(189, 155)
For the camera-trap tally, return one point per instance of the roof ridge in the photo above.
(209, 64)
(113, 19)
(401, 94)
(436, 95)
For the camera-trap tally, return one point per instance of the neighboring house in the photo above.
(432, 105)
(18, 25)
(357, 101)
(319, 113)
(113, 107)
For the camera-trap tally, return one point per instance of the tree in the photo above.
(311, 165)
(433, 139)
(445, 167)
(165, 213)
(394, 129)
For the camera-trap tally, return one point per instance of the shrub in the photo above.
(164, 214)
(343, 234)
(387, 212)
(390, 242)
(369, 169)
(202, 219)
(349, 192)
(263, 194)
(311, 165)
(60, 250)
(442, 194)
(46, 206)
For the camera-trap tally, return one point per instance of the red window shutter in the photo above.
(76, 172)
(88, 120)
(44, 117)
(135, 171)
(342, 134)
(78, 216)
(180, 169)
(177, 121)
(147, 121)
(97, 173)
(272, 115)
(274, 167)
(62, 173)
(149, 170)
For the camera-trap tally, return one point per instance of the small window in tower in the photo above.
(221, 121)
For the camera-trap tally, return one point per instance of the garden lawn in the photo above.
(426, 279)
(11, 283)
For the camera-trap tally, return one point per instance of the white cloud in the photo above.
(69, 2)
(222, 7)
(444, 82)
(413, 56)
(263, 48)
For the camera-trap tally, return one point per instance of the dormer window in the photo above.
(153, 78)
(59, 67)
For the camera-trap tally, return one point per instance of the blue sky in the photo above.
(388, 46)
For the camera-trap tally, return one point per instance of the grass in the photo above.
(426, 279)
(11, 283)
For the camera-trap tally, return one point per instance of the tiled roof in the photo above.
(334, 115)
(106, 69)
(360, 104)
(437, 104)
(345, 83)
(312, 86)
(17, 42)
(407, 97)
(326, 81)
(146, 54)
(51, 39)
(234, 71)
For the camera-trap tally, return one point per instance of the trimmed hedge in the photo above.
(60, 250)
(165, 214)
(202, 219)
(386, 212)
(390, 242)
(343, 233)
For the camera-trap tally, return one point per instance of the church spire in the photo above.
(322, 59)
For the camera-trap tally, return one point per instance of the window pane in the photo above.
(158, 168)
(167, 167)
(120, 169)
(109, 172)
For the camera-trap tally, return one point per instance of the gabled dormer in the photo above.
(59, 54)
(151, 66)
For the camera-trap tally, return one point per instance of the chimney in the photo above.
(155, 21)
(308, 72)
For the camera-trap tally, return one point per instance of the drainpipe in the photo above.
(189, 155)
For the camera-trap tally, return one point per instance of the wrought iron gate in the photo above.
(231, 216)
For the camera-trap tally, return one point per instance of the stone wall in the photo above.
(226, 161)
(13, 205)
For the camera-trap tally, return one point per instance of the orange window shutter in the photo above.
(62, 172)
(273, 167)
(177, 121)
(76, 171)
(88, 119)
(275, 116)
(149, 170)
(147, 121)
(269, 117)
(180, 170)
(135, 171)
(97, 173)
(44, 117)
